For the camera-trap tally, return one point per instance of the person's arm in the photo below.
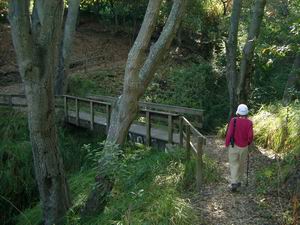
(229, 133)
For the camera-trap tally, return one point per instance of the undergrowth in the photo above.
(18, 188)
(149, 189)
(277, 127)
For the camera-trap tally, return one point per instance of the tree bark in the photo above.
(293, 77)
(36, 46)
(243, 88)
(231, 55)
(65, 48)
(139, 71)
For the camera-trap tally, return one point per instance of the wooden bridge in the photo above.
(157, 125)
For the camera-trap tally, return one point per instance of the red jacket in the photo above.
(243, 135)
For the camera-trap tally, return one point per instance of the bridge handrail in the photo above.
(157, 106)
(186, 129)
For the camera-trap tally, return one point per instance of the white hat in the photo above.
(242, 110)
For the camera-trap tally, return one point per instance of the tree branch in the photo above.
(69, 29)
(136, 54)
(248, 50)
(163, 43)
(49, 14)
(21, 32)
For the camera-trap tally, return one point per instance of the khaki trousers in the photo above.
(237, 162)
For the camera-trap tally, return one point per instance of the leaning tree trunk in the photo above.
(36, 46)
(293, 77)
(65, 48)
(243, 88)
(231, 55)
(139, 72)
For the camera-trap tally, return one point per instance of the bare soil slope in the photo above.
(92, 41)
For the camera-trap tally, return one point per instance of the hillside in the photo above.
(92, 40)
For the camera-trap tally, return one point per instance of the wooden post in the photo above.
(91, 115)
(148, 128)
(10, 101)
(170, 129)
(188, 144)
(199, 163)
(180, 131)
(108, 114)
(66, 108)
(77, 111)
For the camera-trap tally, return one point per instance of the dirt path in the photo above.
(218, 206)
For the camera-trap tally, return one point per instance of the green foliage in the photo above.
(98, 82)
(148, 188)
(196, 86)
(17, 184)
(3, 9)
(71, 143)
(116, 11)
(277, 127)
(18, 187)
(79, 87)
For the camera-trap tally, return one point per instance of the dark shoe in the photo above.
(239, 184)
(234, 187)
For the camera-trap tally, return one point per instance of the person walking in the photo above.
(239, 136)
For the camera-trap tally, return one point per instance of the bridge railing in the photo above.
(194, 143)
(189, 136)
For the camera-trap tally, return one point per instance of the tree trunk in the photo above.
(138, 74)
(293, 77)
(65, 48)
(248, 52)
(37, 50)
(231, 55)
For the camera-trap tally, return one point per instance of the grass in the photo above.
(18, 185)
(103, 82)
(149, 189)
(278, 127)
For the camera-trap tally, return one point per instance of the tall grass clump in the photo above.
(17, 184)
(278, 127)
(147, 190)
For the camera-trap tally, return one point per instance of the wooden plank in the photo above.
(157, 106)
(148, 128)
(92, 115)
(155, 112)
(192, 128)
(199, 163)
(88, 100)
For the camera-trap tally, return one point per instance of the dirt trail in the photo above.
(216, 205)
